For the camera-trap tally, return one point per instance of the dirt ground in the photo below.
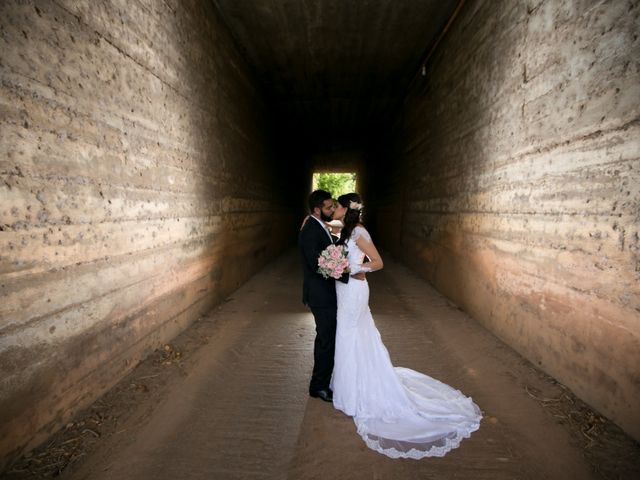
(227, 399)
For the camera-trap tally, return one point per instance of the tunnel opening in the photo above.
(155, 159)
(337, 183)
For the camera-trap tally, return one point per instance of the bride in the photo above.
(398, 412)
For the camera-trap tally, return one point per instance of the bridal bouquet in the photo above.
(333, 261)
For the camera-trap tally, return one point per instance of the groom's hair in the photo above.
(317, 198)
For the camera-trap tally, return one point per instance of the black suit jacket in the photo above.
(317, 291)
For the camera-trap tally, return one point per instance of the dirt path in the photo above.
(227, 400)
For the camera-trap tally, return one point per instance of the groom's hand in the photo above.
(358, 276)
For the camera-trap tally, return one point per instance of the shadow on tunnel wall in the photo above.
(511, 182)
(138, 192)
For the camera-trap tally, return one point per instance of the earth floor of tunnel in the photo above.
(236, 404)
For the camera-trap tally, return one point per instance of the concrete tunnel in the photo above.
(156, 155)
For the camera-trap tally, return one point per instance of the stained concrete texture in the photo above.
(513, 186)
(135, 194)
(240, 410)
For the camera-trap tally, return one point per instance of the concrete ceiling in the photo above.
(335, 70)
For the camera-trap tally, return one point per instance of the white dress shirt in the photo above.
(326, 229)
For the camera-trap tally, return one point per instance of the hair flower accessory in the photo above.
(355, 205)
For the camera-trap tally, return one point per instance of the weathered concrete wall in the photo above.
(515, 186)
(134, 193)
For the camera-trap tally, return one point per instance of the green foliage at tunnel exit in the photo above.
(335, 183)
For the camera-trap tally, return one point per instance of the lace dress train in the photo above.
(398, 412)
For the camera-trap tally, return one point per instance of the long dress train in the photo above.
(398, 412)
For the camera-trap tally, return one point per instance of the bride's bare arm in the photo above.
(370, 250)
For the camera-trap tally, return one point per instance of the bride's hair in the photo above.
(352, 217)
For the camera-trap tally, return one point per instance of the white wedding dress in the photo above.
(398, 412)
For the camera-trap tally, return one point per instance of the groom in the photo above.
(319, 293)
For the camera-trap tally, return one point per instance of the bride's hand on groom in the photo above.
(359, 276)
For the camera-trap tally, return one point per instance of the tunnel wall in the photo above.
(135, 194)
(513, 186)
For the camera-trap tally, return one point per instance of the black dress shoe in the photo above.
(325, 394)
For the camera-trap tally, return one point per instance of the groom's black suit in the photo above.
(319, 294)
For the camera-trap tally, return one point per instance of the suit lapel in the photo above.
(324, 231)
